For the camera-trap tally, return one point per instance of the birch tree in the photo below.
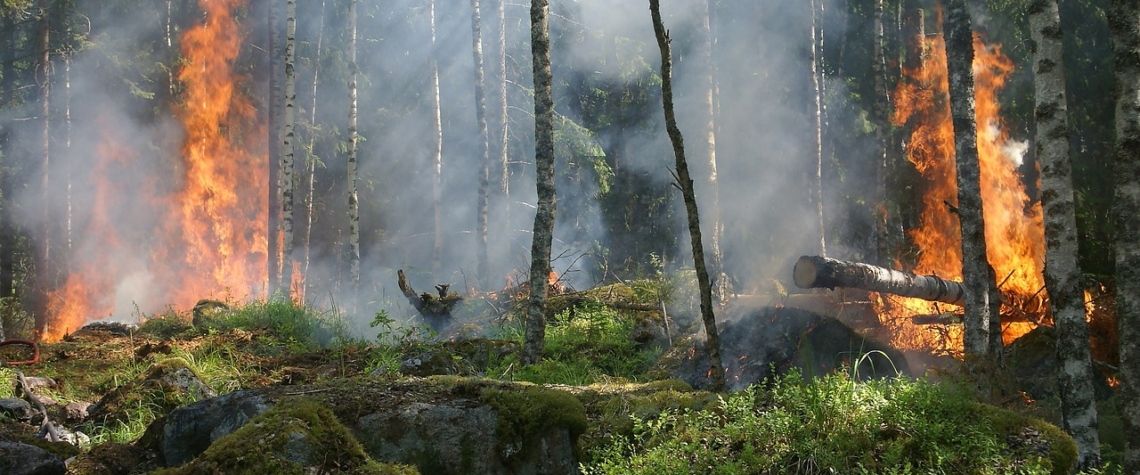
(817, 131)
(1124, 23)
(685, 183)
(544, 169)
(982, 300)
(290, 155)
(437, 152)
(311, 161)
(1062, 272)
(353, 204)
(273, 229)
(484, 154)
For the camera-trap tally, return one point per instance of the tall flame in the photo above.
(211, 238)
(1014, 228)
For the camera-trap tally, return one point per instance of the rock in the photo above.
(23, 459)
(36, 382)
(1032, 360)
(779, 339)
(17, 409)
(207, 310)
(298, 435)
(75, 438)
(76, 412)
(436, 361)
(102, 330)
(166, 385)
(438, 424)
(188, 431)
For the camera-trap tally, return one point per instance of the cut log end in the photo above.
(806, 272)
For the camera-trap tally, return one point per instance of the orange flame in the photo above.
(1014, 228)
(213, 239)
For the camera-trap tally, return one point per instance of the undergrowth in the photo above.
(834, 425)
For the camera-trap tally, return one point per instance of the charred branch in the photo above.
(432, 307)
(818, 271)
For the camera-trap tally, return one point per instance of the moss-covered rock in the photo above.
(297, 436)
(163, 387)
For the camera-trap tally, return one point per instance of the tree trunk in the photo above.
(437, 153)
(1124, 23)
(819, 271)
(353, 205)
(685, 183)
(273, 230)
(709, 92)
(311, 162)
(289, 160)
(482, 260)
(1062, 272)
(504, 125)
(817, 133)
(982, 301)
(544, 168)
(44, 271)
(885, 213)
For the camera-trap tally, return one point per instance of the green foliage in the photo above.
(169, 325)
(587, 344)
(290, 326)
(834, 425)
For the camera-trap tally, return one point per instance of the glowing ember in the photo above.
(1014, 229)
(210, 239)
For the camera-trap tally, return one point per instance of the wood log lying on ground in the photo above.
(818, 271)
(430, 306)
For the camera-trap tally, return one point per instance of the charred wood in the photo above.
(432, 307)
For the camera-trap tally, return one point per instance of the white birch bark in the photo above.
(1062, 272)
(353, 205)
(289, 159)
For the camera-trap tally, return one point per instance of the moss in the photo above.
(525, 413)
(294, 437)
(1062, 448)
(167, 327)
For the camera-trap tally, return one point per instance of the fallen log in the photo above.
(818, 271)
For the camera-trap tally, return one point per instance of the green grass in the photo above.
(834, 425)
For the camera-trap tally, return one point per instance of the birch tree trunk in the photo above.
(685, 183)
(544, 168)
(709, 132)
(1124, 23)
(353, 205)
(504, 125)
(44, 269)
(290, 154)
(483, 263)
(982, 299)
(437, 153)
(1062, 272)
(817, 136)
(311, 162)
(273, 230)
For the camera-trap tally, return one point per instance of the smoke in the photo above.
(613, 171)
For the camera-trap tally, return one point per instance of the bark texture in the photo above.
(685, 183)
(819, 271)
(544, 168)
(289, 160)
(353, 204)
(482, 260)
(437, 152)
(982, 301)
(1124, 22)
(1062, 272)
(276, 110)
(709, 132)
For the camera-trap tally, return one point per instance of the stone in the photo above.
(189, 430)
(17, 409)
(23, 459)
(76, 412)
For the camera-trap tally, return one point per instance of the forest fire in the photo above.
(1014, 229)
(210, 236)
